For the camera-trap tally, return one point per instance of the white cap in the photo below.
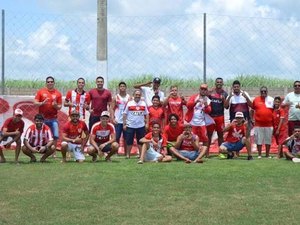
(18, 112)
(239, 115)
(105, 113)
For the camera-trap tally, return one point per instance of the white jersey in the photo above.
(148, 93)
(136, 112)
(293, 100)
(120, 106)
(199, 115)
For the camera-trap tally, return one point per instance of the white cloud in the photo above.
(43, 35)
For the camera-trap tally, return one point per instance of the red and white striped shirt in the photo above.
(38, 138)
(120, 106)
(78, 100)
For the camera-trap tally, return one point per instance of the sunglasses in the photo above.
(263, 91)
(297, 85)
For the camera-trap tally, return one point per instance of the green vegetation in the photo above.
(122, 192)
(246, 81)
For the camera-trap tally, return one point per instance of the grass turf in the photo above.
(122, 192)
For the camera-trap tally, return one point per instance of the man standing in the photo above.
(150, 89)
(263, 120)
(103, 138)
(101, 101)
(238, 101)
(11, 132)
(135, 121)
(217, 97)
(78, 99)
(75, 136)
(49, 101)
(38, 139)
(292, 100)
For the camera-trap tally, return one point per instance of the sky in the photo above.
(159, 37)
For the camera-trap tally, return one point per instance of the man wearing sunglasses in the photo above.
(292, 100)
(262, 115)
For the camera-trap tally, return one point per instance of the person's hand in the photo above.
(277, 132)
(43, 149)
(35, 150)
(45, 101)
(78, 140)
(102, 146)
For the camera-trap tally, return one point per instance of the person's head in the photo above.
(156, 128)
(50, 82)
(173, 119)
(38, 120)
(74, 115)
(297, 87)
(203, 89)
(18, 114)
(219, 83)
(122, 86)
(174, 90)
(187, 127)
(137, 94)
(100, 82)
(155, 100)
(104, 118)
(277, 102)
(297, 131)
(263, 91)
(156, 83)
(236, 87)
(239, 117)
(80, 83)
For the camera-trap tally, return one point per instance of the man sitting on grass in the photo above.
(103, 138)
(11, 132)
(293, 144)
(187, 146)
(237, 138)
(154, 148)
(38, 139)
(75, 136)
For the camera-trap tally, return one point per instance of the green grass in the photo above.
(123, 192)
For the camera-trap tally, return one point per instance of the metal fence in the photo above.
(37, 45)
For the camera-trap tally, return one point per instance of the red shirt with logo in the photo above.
(74, 130)
(102, 134)
(12, 126)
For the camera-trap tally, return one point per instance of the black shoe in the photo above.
(249, 157)
(229, 155)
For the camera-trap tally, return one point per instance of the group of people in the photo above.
(165, 127)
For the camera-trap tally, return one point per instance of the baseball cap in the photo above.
(239, 115)
(105, 113)
(203, 86)
(18, 112)
(156, 80)
(74, 112)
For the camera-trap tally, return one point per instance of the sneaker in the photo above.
(140, 162)
(259, 157)
(221, 156)
(269, 157)
(230, 155)
(249, 157)
(296, 160)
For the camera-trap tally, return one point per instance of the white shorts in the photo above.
(152, 155)
(76, 150)
(263, 135)
(6, 140)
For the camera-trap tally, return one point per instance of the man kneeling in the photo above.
(38, 139)
(293, 144)
(237, 138)
(154, 146)
(75, 136)
(103, 138)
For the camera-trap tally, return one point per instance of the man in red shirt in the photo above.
(103, 138)
(11, 132)
(38, 139)
(263, 120)
(156, 113)
(49, 101)
(101, 101)
(75, 136)
(78, 99)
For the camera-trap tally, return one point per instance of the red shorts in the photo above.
(201, 132)
(218, 126)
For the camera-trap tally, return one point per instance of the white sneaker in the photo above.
(296, 160)
(259, 157)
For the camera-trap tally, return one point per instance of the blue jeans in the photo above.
(53, 125)
(119, 130)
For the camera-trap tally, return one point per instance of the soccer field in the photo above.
(122, 192)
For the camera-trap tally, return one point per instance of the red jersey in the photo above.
(263, 115)
(187, 144)
(74, 130)
(171, 133)
(12, 126)
(155, 115)
(47, 110)
(38, 138)
(78, 101)
(161, 140)
(102, 133)
(175, 105)
(236, 133)
(277, 115)
(99, 99)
